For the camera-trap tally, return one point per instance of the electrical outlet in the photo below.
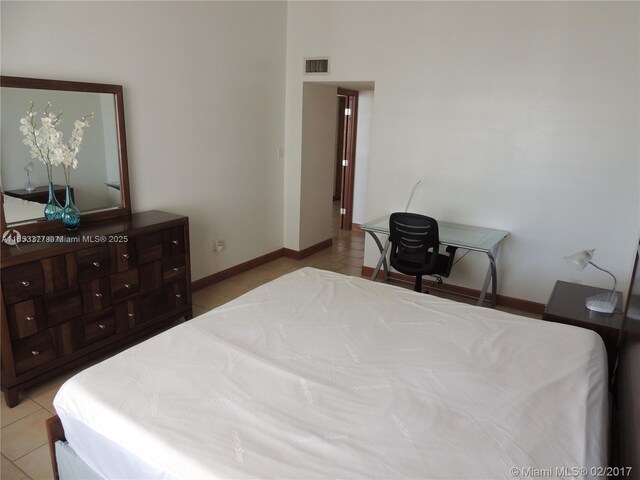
(218, 245)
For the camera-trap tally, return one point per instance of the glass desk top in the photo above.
(457, 235)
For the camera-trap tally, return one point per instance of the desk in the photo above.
(478, 239)
(40, 194)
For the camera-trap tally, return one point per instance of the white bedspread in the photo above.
(19, 210)
(320, 375)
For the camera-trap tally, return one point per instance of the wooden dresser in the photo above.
(71, 297)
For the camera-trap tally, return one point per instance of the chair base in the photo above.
(417, 287)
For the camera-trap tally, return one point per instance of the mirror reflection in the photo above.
(24, 180)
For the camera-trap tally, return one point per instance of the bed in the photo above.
(321, 375)
(17, 210)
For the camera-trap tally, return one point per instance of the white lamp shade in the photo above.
(581, 259)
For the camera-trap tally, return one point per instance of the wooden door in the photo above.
(349, 118)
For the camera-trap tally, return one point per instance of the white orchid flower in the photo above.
(46, 143)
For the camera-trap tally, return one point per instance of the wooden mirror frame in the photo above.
(42, 225)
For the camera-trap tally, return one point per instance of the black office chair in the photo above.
(414, 247)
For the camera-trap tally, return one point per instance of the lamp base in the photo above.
(603, 302)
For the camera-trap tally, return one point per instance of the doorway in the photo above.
(347, 125)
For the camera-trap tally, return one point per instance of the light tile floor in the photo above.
(25, 453)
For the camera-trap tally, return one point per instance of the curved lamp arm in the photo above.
(615, 282)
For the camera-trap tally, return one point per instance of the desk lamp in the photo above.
(29, 186)
(602, 302)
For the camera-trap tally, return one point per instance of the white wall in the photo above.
(363, 153)
(517, 115)
(319, 118)
(521, 116)
(204, 97)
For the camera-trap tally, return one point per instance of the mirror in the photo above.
(100, 182)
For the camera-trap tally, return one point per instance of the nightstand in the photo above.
(567, 305)
(40, 194)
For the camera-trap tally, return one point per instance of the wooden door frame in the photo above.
(348, 176)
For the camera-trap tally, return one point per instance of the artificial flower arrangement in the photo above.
(47, 145)
(46, 142)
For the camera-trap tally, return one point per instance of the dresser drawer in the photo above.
(69, 337)
(176, 294)
(149, 247)
(127, 314)
(22, 282)
(173, 242)
(153, 305)
(150, 276)
(96, 295)
(93, 263)
(26, 318)
(60, 272)
(99, 325)
(63, 305)
(124, 284)
(123, 255)
(173, 269)
(33, 351)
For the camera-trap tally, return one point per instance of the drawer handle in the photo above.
(175, 269)
(35, 353)
(102, 326)
(175, 242)
(125, 255)
(131, 315)
(127, 285)
(30, 318)
(25, 283)
(96, 264)
(178, 295)
(98, 295)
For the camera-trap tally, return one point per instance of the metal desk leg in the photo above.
(491, 275)
(383, 258)
(387, 244)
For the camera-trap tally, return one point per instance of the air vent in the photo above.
(316, 66)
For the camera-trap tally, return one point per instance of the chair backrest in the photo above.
(412, 236)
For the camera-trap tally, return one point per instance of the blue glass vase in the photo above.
(52, 210)
(70, 214)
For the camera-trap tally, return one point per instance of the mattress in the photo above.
(321, 375)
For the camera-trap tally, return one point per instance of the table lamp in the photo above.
(602, 302)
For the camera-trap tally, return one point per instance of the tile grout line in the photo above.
(25, 476)
(28, 414)
(28, 453)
